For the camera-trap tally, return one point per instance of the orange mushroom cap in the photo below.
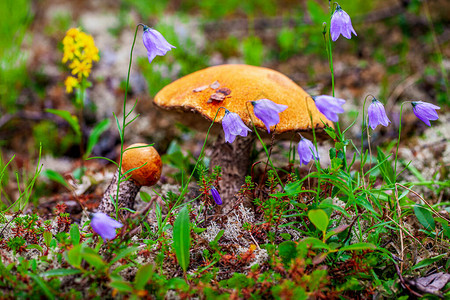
(240, 84)
(148, 174)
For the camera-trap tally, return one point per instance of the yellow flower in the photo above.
(70, 83)
(80, 50)
(71, 51)
(73, 32)
(82, 68)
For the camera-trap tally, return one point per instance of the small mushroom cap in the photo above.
(148, 174)
(242, 83)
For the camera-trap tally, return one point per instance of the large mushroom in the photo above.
(232, 87)
(147, 166)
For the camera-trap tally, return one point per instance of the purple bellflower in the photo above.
(104, 225)
(306, 151)
(216, 196)
(341, 24)
(267, 111)
(377, 114)
(329, 106)
(155, 43)
(425, 111)
(233, 126)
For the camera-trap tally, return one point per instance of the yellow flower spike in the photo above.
(73, 32)
(70, 83)
(80, 51)
(83, 69)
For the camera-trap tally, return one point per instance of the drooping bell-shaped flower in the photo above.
(104, 225)
(233, 126)
(155, 43)
(216, 196)
(329, 106)
(267, 111)
(341, 24)
(377, 114)
(425, 111)
(306, 151)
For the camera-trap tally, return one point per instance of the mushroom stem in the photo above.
(127, 194)
(234, 159)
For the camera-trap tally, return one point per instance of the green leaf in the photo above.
(425, 217)
(319, 218)
(287, 251)
(75, 234)
(315, 243)
(60, 272)
(74, 256)
(199, 230)
(121, 286)
(95, 136)
(445, 227)
(34, 246)
(336, 230)
(358, 246)
(142, 276)
(123, 253)
(219, 235)
(428, 261)
(145, 197)
(93, 258)
(55, 176)
(43, 285)
(182, 238)
(72, 120)
(385, 167)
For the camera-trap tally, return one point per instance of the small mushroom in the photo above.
(244, 83)
(149, 165)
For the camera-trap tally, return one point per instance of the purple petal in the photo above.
(329, 106)
(233, 126)
(104, 225)
(377, 114)
(267, 111)
(155, 43)
(216, 196)
(306, 151)
(341, 24)
(425, 111)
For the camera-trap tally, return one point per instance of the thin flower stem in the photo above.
(398, 140)
(365, 125)
(317, 162)
(264, 145)
(124, 124)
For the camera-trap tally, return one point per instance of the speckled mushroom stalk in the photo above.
(234, 160)
(149, 165)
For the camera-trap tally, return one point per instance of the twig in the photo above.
(402, 280)
(421, 198)
(399, 214)
(406, 231)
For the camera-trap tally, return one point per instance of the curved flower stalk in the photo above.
(233, 126)
(341, 24)
(104, 225)
(155, 43)
(329, 106)
(425, 111)
(306, 151)
(268, 112)
(377, 114)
